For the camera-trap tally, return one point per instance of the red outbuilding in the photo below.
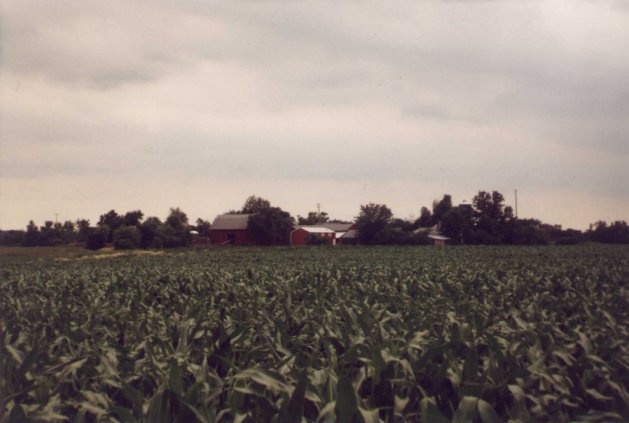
(301, 235)
(231, 229)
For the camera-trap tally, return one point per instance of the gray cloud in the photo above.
(455, 96)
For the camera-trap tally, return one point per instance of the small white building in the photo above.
(439, 240)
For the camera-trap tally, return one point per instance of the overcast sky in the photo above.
(154, 104)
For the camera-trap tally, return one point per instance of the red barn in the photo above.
(231, 229)
(301, 234)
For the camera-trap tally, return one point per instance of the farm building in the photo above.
(301, 235)
(350, 237)
(439, 240)
(346, 233)
(231, 229)
(330, 233)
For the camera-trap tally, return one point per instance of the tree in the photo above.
(203, 227)
(439, 208)
(402, 225)
(151, 234)
(615, 233)
(489, 205)
(97, 237)
(50, 234)
(111, 220)
(372, 219)
(425, 218)
(389, 236)
(271, 226)
(176, 231)
(12, 238)
(31, 237)
(452, 225)
(68, 232)
(177, 219)
(126, 238)
(83, 226)
(254, 204)
(491, 218)
(133, 218)
(313, 218)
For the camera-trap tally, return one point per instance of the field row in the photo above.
(345, 334)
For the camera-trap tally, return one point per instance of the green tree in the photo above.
(50, 234)
(126, 238)
(83, 226)
(491, 219)
(271, 226)
(313, 218)
(133, 218)
(12, 238)
(425, 218)
(402, 225)
(176, 233)
(255, 204)
(203, 227)
(68, 231)
(151, 233)
(452, 225)
(372, 219)
(615, 233)
(31, 237)
(111, 220)
(177, 219)
(97, 237)
(489, 205)
(439, 208)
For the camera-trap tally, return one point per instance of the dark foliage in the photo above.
(372, 219)
(97, 238)
(271, 226)
(126, 238)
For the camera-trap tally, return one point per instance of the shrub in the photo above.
(97, 238)
(126, 238)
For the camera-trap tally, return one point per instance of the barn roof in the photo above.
(314, 229)
(352, 233)
(230, 222)
(337, 227)
(438, 237)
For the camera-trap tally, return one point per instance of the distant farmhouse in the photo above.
(325, 233)
(231, 229)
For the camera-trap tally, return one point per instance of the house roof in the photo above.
(337, 227)
(230, 222)
(315, 229)
(352, 233)
(438, 237)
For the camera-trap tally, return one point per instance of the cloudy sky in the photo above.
(197, 104)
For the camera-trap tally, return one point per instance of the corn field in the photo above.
(393, 334)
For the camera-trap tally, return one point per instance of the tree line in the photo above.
(123, 231)
(487, 220)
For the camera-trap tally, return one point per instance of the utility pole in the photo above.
(318, 212)
(56, 216)
(516, 203)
